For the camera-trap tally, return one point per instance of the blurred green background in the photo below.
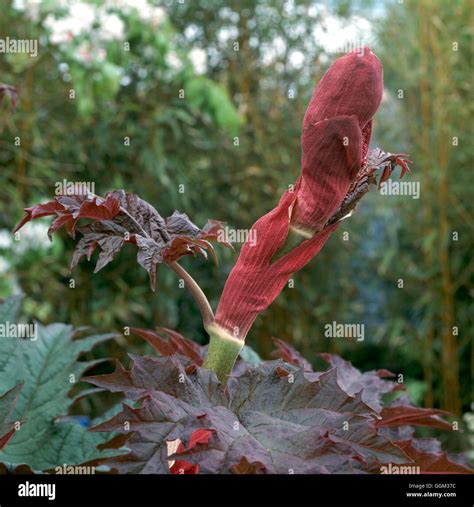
(198, 106)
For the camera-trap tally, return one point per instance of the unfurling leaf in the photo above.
(121, 218)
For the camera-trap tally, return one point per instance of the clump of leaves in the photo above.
(275, 417)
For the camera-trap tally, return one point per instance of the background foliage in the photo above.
(94, 109)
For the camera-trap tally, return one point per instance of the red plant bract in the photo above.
(335, 139)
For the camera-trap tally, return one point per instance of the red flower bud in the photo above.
(335, 139)
(353, 85)
(331, 155)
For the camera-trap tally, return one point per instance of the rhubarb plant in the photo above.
(205, 409)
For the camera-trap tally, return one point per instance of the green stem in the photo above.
(223, 347)
(222, 352)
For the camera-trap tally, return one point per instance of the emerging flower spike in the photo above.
(336, 171)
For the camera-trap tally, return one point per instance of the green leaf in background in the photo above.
(48, 366)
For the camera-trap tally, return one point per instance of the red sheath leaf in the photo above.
(336, 172)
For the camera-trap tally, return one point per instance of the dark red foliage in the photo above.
(271, 418)
(184, 467)
(121, 218)
(290, 355)
(174, 344)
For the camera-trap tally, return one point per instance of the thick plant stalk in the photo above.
(223, 347)
(223, 351)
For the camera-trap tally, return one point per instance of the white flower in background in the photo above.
(198, 58)
(83, 53)
(5, 238)
(100, 20)
(61, 29)
(87, 53)
(157, 16)
(84, 15)
(338, 35)
(297, 59)
(31, 8)
(469, 419)
(148, 13)
(173, 61)
(125, 80)
(224, 35)
(79, 20)
(33, 236)
(111, 27)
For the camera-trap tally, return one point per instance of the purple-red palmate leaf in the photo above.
(271, 418)
(280, 421)
(402, 412)
(287, 353)
(121, 218)
(174, 343)
(429, 462)
(370, 383)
